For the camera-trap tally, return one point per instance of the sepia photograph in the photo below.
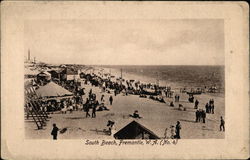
(124, 80)
(128, 79)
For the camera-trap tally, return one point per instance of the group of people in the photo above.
(62, 105)
(168, 92)
(174, 131)
(210, 106)
(200, 115)
(93, 103)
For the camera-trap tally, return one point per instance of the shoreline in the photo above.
(176, 86)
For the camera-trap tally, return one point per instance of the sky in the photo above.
(126, 42)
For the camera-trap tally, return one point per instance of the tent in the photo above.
(53, 91)
(135, 130)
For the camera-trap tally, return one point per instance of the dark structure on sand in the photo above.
(135, 130)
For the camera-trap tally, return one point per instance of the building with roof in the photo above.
(135, 130)
(69, 74)
(53, 91)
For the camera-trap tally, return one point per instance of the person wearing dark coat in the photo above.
(93, 111)
(96, 103)
(54, 132)
(177, 130)
(203, 115)
(87, 110)
(197, 114)
(196, 104)
(110, 100)
(222, 124)
(207, 108)
(212, 108)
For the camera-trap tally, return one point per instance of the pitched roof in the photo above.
(133, 131)
(52, 90)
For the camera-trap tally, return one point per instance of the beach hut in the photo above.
(135, 130)
(53, 91)
(69, 74)
(55, 74)
(43, 76)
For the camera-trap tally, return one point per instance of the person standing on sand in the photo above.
(177, 130)
(207, 108)
(197, 114)
(212, 108)
(222, 124)
(87, 110)
(110, 100)
(54, 132)
(93, 111)
(196, 104)
(203, 115)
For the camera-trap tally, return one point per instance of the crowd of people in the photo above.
(77, 103)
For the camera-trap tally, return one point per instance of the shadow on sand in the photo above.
(207, 129)
(185, 120)
(102, 132)
(75, 118)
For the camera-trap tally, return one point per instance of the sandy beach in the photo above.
(156, 117)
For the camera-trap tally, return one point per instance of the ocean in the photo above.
(174, 76)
